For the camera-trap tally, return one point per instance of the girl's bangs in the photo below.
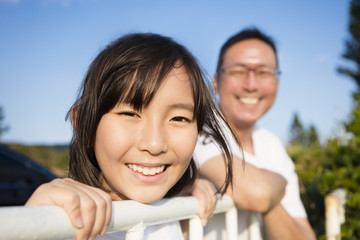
(142, 86)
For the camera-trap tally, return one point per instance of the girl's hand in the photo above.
(205, 192)
(88, 208)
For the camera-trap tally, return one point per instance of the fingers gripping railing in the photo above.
(50, 222)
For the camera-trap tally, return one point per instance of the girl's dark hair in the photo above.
(131, 69)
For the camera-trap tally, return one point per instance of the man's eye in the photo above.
(238, 72)
(265, 73)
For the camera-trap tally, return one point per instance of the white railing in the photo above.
(335, 213)
(50, 222)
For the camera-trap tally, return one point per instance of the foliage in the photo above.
(55, 158)
(297, 133)
(352, 52)
(353, 125)
(3, 127)
(308, 163)
(336, 164)
(301, 135)
(324, 168)
(313, 137)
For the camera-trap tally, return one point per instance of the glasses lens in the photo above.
(239, 72)
(242, 72)
(265, 73)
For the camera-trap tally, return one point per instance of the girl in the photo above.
(141, 107)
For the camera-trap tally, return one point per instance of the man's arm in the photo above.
(253, 189)
(261, 191)
(280, 225)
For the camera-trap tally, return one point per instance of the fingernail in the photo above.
(203, 222)
(103, 231)
(79, 222)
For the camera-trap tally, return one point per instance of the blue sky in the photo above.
(47, 45)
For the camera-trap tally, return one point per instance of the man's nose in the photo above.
(250, 82)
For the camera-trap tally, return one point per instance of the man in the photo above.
(246, 82)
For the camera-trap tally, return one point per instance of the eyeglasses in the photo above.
(242, 72)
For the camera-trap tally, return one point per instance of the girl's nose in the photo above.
(153, 138)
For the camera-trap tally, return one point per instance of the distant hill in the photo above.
(55, 158)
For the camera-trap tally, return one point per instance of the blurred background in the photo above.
(46, 47)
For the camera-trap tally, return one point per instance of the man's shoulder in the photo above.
(267, 139)
(264, 133)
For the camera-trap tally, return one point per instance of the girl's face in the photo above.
(142, 154)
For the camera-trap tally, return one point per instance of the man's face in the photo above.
(247, 84)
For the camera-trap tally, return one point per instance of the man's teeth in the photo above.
(249, 100)
(147, 170)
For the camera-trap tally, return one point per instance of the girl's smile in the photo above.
(146, 175)
(145, 170)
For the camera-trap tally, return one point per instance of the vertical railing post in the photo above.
(334, 213)
(196, 229)
(231, 221)
(136, 232)
(254, 228)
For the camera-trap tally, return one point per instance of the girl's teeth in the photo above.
(153, 171)
(146, 170)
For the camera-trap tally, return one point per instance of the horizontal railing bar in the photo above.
(50, 222)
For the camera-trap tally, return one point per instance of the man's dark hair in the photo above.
(246, 34)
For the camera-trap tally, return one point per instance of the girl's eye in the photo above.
(129, 114)
(180, 119)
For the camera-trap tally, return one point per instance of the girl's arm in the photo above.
(88, 208)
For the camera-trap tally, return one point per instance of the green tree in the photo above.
(312, 136)
(297, 132)
(3, 127)
(352, 51)
(322, 169)
(353, 125)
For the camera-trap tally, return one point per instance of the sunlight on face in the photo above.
(143, 154)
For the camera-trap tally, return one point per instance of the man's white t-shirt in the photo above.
(271, 155)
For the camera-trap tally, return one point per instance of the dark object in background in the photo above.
(19, 177)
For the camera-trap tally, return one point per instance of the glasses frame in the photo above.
(277, 71)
